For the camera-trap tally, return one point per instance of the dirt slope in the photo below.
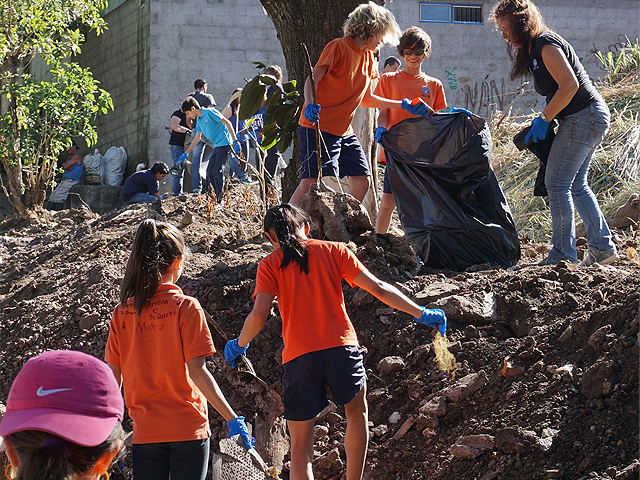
(568, 407)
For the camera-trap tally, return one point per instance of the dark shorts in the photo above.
(386, 184)
(306, 378)
(345, 155)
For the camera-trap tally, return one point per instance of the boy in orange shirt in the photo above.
(343, 77)
(320, 343)
(414, 47)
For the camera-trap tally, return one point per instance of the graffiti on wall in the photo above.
(615, 48)
(452, 78)
(485, 97)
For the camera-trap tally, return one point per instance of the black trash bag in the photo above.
(448, 198)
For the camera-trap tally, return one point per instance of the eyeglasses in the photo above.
(412, 51)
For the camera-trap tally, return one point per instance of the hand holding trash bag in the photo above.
(312, 112)
(539, 129)
(435, 318)
(417, 107)
(378, 134)
(237, 426)
(460, 110)
(232, 351)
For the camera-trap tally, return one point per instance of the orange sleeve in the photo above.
(440, 101)
(381, 87)
(265, 279)
(194, 332)
(330, 56)
(112, 350)
(350, 265)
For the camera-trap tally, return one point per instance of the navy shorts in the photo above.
(386, 184)
(306, 378)
(346, 157)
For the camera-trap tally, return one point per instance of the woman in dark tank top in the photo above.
(583, 117)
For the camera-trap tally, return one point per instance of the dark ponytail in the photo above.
(286, 221)
(155, 247)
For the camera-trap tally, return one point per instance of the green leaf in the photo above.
(285, 142)
(252, 97)
(268, 80)
(290, 86)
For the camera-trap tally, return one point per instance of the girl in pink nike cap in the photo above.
(63, 418)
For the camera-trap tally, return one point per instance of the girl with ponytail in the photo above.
(157, 347)
(320, 342)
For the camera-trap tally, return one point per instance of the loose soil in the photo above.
(59, 279)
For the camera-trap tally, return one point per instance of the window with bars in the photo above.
(450, 13)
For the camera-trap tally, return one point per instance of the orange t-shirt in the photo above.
(314, 316)
(341, 90)
(399, 85)
(152, 351)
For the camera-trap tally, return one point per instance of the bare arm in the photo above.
(76, 159)
(117, 372)
(176, 127)
(559, 68)
(386, 293)
(383, 118)
(229, 126)
(318, 73)
(256, 319)
(194, 142)
(205, 382)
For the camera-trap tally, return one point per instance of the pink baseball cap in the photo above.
(67, 393)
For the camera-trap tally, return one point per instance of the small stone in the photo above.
(466, 386)
(320, 431)
(567, 334)
(362, 297)
(395, 417)
(435, 406)
(471, 332)
(391, 364)
(380, 430)
(510, 369)
(187, 219)
(88, 322)
(597, 337)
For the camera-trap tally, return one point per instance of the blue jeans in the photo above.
(196, 162)
(140, 198)
(215, 170)
(181, 460)
(577, 138)
(176, 178)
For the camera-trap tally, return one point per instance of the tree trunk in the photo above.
(13, 165)
(316, 23)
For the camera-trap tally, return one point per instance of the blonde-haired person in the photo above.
(342, 78)
(583, 116)
(63, 418)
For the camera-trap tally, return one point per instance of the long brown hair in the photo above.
(155, 247)
(286, 221)
(526, 24)
(44, 455)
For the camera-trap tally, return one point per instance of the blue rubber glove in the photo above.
(539, 129)
(182, 158)
(238, 427)
(237, 148)
(434, 317)
(163, 196)
(378, 134)
(460, 110)
(232, 351)
(416, 107)
(312, 112)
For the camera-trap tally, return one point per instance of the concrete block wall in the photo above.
(472, 63)
(213, 39)
(119, 59)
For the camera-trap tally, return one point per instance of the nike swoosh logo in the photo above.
(42, 392)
